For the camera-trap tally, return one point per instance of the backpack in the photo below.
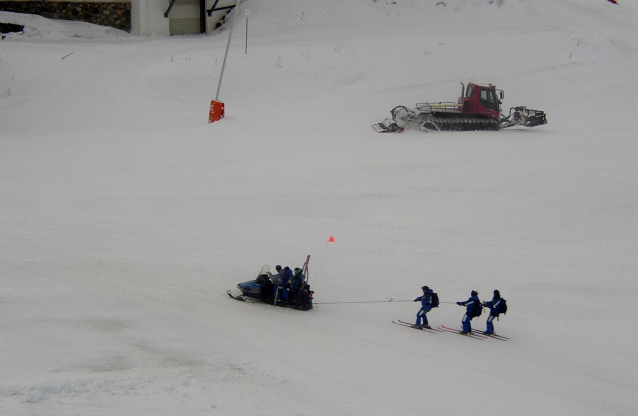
(502, 307)
(435, 300)
(477, 309)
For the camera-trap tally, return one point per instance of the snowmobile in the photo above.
(478, 108)
(293, 293)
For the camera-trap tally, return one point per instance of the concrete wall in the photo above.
(147, 17)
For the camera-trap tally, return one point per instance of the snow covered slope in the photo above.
(125, 216)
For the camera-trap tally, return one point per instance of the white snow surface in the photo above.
(125, 216)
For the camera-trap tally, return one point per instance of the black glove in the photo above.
(459, 303)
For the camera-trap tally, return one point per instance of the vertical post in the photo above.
(230, 34)
(247, 12)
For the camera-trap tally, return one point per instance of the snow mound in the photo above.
(53, 29)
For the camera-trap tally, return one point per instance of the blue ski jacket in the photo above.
(493, 305)
(426, 300)
(287, 277)
(469, 304)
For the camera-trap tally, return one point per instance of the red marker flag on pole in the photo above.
(331, 239)
(217, 111)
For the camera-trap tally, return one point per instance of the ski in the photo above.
(456, 331)
(495, 336)
(407, 325)
(430, 329)
(239, 298)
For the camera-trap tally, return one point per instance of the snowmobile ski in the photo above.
(407, 325)
(239, 298)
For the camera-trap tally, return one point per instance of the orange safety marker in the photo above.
(216, 111)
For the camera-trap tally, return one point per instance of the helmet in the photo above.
(497, 293)
(474, 293)
(298, 270)
(425, 288)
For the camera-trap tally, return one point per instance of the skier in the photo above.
(284, 286)
(471, 306)
(426, 306)
(277, 277)
(276, 281)
(494, 306)
(296, 283)
(287, 274)
(297, 280)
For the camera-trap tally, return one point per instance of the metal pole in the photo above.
(230, 34)
(247, 12)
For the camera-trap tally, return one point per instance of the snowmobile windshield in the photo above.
(265, 269)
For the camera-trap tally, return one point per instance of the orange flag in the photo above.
(331, 240)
